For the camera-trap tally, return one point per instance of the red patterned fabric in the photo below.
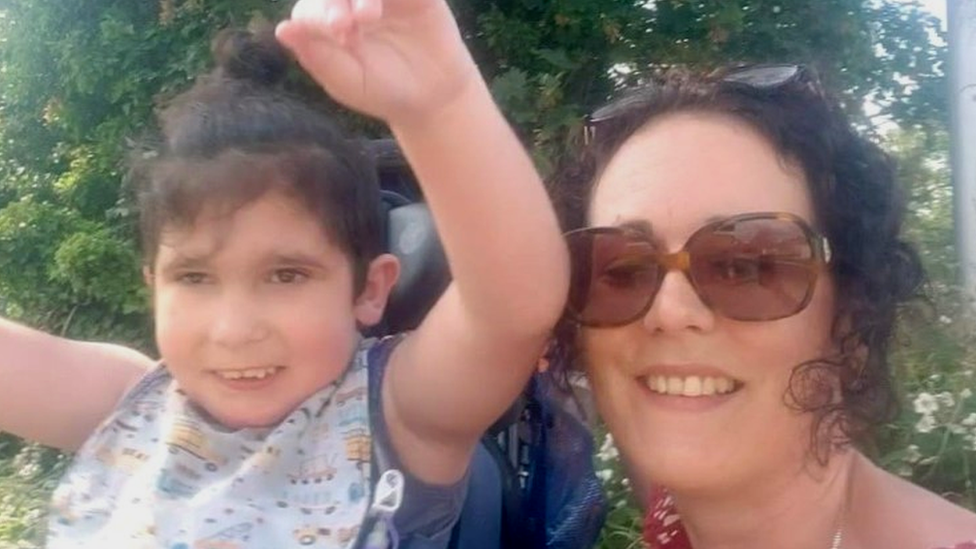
(662, 525)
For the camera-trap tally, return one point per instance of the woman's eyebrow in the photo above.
(642, 226)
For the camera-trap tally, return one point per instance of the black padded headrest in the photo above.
(412, 238)
(424, 273)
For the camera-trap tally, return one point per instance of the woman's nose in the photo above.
(677, 306)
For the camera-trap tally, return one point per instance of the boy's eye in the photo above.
(193, 278)
(288, 276)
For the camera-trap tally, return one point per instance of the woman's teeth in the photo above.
(690, 386)
(251, 373)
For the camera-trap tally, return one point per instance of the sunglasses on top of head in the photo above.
(755, 78)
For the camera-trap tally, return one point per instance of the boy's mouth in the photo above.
(248, 373)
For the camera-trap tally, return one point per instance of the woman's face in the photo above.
(677, 174)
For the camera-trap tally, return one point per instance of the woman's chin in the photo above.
(682, 465)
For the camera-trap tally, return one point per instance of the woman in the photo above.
(733, 297)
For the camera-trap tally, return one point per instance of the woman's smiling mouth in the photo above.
(691, 385)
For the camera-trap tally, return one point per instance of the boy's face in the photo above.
(255, 310)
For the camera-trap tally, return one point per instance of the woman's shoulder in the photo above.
(941, 518)
(925, 517)
(963, 545)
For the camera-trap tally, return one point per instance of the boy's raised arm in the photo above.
(56, 391)
(404, 61)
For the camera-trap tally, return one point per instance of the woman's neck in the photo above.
(800, 509)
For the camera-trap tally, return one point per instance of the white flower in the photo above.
(969, 421)
(965, 393)
(604, 475)
(925, 404)
(926, 424)
(945, 320)
(957, 429)
(607, 450)
(29, 470)
(946, 399)
(912, 454)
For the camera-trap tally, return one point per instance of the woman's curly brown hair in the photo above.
(858, 205)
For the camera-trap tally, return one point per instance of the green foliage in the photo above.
(28, 475)
(552, 61)
(933, 442)
(548, 61)
(624, 519)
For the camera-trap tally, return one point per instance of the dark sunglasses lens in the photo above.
(754, 269)
(614, 277)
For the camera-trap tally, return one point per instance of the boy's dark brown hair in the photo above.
(236, 135)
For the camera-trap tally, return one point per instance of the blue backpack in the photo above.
(532, 482)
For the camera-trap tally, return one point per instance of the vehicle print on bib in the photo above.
(311, 535)
(186, 436)
(315, 470)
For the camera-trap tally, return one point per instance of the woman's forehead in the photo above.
(684, 169)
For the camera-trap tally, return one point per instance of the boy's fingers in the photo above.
(367, 11)
(317, 19)
(310, 10)
(304, 30)
(339, 18)
(319, 57)
(296, 35)
(311, 47)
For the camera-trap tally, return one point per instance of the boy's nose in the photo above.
(238, 321)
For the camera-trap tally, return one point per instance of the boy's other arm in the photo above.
(56, 391)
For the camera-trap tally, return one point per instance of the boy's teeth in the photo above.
(690, 386)
(251, 373)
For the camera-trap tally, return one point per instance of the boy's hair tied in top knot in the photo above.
(252, 55)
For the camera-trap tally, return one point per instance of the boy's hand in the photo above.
(398, 60)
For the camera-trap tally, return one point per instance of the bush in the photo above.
(28, 475)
